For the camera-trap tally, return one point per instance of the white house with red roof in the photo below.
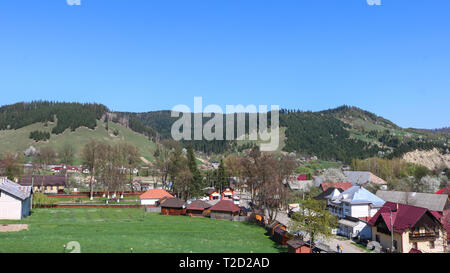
(151, 197)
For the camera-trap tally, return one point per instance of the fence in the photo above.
(240, 218)
(153, 209)
(90, 206)
(95, 194)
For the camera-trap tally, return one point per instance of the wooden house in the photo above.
(280, 235)
(173, 206)
(225, 209)
(297, 245)
(198, 208)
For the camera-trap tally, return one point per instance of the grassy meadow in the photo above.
(119, 230)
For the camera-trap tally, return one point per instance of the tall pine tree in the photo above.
(196, 183)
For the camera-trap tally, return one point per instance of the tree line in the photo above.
(39, 135)
(67, 115)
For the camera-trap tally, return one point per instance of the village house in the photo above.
(153, 196)
(330, 194)
(431, 201)
(299, 183)
(198, 208)
(173, 206)
(363, 178)
(225, 209)
(354, 207)
(69, 169)
(338, 185)
(415, 229)
(15, 200)
(52, 184)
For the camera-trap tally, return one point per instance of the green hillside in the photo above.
(18, 140)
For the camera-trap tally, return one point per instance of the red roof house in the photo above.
(340, 185)
(409, 219)
(151, 197)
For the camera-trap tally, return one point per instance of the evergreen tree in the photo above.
(222, 178)
(196, 183)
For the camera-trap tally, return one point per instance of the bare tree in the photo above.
(45, 157)
(265, 175)
(90, 155)
(66, 154)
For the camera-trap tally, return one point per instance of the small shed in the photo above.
(297, 245)
(271, 227)
(225, 209)
(280, 235)
(173, 206)
(197, 208)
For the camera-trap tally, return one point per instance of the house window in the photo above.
(431, 244)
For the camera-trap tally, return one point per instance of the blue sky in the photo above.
(144, 55)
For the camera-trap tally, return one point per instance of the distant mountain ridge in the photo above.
(341, 133)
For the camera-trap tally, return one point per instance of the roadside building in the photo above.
(354, 207)
(414, 229)
(431, 201)
(15, 200)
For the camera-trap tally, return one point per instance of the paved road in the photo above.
(347, 246)
(283, 218)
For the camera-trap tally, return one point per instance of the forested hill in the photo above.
(67, 115)
(342, 133)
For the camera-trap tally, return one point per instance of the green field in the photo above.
(119, 230)
(18, 140)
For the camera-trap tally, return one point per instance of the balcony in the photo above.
(423, 235)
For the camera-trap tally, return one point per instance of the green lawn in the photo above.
(119, 230)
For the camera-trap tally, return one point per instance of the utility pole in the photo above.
(392, 228)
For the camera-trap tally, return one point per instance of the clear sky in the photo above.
(144, 55)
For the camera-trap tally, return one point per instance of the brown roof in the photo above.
(155, 194)
(297, 242)
(198, 205)
(49, 180)
(173, 203)
(225, 205)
